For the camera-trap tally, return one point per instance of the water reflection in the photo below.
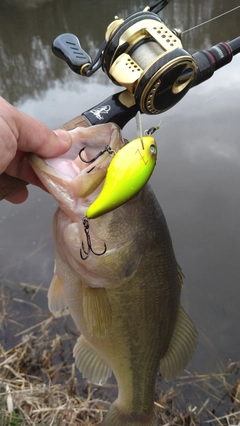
(28, 68)
(198, 173)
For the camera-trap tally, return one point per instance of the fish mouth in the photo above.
(82, 169)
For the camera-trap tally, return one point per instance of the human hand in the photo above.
(20, 134)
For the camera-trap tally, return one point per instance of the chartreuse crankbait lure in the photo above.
(128, 172)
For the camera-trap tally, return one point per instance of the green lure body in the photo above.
(129, 171)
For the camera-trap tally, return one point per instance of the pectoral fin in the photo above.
(181, 347)
(96, 310)
(56, 295)
(91, 364)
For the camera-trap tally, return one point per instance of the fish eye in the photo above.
(153, 149)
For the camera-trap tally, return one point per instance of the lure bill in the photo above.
(128, 172)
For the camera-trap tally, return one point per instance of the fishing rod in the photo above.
(141, 54)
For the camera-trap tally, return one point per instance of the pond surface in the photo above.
(197, 178)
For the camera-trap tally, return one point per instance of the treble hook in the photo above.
(106, 149)
(89, 244)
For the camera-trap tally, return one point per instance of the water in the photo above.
(198, 169)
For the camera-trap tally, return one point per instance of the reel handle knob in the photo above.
(68, 48)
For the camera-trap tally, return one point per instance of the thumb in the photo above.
(36, 137)
(20, 132)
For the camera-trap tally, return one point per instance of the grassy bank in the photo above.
(40, 386)
(30, 394)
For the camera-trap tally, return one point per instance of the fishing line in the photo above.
(212, 19)
(139, 127)
(139, 124)
(207, 100)
(203, 102)
(222, 91)
(219, 93)
(138, 116)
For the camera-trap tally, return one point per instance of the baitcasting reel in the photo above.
(141, 54)
(147, 58)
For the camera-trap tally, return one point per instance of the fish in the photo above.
(124, 295)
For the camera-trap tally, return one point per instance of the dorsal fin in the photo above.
(180, 276)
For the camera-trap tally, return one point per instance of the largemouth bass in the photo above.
(119, 278)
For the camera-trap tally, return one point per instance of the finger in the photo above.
(30, 135)
(18, 197)
(35, 137)
(20, 167)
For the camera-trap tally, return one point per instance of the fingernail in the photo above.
(63, 135)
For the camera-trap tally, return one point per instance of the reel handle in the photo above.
(68, 48)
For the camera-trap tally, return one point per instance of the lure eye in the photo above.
(153, 149)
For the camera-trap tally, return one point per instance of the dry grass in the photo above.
(39, 385)
(28, 394)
